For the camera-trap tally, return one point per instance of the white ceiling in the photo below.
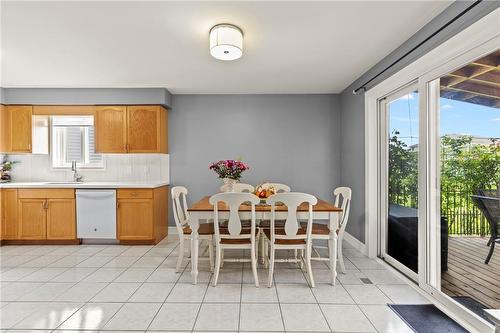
(289, 47)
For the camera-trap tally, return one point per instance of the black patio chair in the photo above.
(488, 202)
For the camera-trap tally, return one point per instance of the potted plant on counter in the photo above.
(5, 168)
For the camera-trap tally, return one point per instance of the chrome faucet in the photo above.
(76, 176)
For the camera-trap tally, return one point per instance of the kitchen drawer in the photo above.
(44, 193)
(132, 193)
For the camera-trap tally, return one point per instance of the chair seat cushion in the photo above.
(318, 228)
(204, 229)
(235, 241)
(281, 231)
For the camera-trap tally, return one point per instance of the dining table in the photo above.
(203, 210)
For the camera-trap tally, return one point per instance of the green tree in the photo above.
(403, 172)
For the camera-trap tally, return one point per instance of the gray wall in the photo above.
(353, 106)
(293, 139)
(85, 96)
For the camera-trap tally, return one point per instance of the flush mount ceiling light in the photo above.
(226, 42)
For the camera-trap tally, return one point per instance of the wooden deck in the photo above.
(467, 274)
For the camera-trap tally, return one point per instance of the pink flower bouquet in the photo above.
(231, 169)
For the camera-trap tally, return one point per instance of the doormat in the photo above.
(426, 318)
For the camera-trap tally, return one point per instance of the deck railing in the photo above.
(463, 217)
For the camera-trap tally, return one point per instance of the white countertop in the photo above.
(83, 184)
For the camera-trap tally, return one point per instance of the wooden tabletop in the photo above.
(203, 205)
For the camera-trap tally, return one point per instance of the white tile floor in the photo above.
(91, 288)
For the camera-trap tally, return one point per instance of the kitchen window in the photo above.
(72, 139)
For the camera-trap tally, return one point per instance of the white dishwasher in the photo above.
(96, 214)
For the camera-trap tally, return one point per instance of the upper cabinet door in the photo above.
(111, 129)
(20, 127)
(144, 129)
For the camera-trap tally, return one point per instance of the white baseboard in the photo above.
(357, 244)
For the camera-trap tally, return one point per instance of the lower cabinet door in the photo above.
(135, 219)
(61, 219)
(10, 226)
(32, 218)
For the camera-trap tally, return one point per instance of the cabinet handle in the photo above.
(46, 204)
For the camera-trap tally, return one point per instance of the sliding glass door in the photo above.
(465, 108)
(439, 184)
(433, 173)
(399, 179)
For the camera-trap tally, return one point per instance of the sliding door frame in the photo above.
(477, 40)
(384, 177)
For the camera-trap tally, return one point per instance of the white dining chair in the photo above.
(240, 188)
(234, 235)
(181, 217)
(292, 236)
(279, 188)
(322, 231)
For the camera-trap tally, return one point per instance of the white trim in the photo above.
(354, 242)
(478, 39)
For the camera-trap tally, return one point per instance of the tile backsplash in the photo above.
(118, 168)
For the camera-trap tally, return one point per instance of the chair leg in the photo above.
(189, 252)
(340, 255)
(181, 256)
(271, 267)
(301, 264)
(332, 247)
(211, 253)
(266, 252)
(222, 258)
(489, 241)
(492, 248)
(254, 265)
(308, 266)
(217, 263)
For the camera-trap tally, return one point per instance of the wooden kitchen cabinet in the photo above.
(16, 128)
(143, 129)
(32, 218)
(38, 214)
(142, 215)
(61, 218)
(135, 218)
(131, 129)
(8, 217)
(111, 129)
